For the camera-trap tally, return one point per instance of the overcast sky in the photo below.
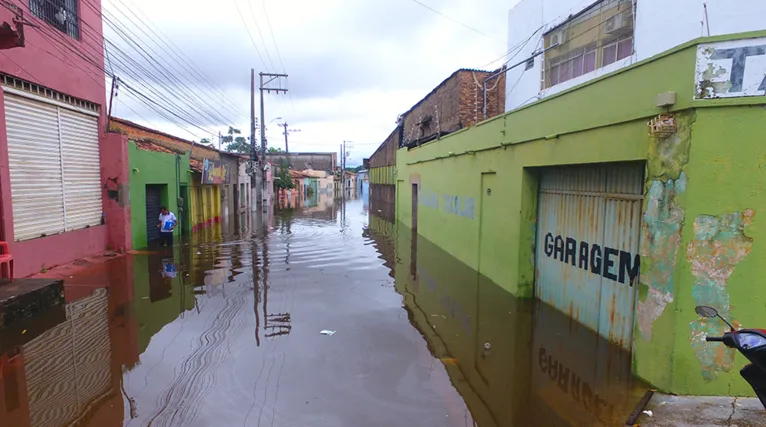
(354, 65)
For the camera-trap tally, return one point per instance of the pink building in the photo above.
(63, 180)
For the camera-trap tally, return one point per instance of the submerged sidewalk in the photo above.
(695, 411)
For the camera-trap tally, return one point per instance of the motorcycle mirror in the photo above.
(706, 311)
(710, 312)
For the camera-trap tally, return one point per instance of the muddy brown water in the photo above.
(225, 330)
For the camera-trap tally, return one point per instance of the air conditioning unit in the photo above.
(558, 38)
(616, 22)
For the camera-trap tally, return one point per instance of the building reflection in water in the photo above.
(515, 362)
(65, 366)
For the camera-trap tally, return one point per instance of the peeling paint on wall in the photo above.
(663, 222)
(719, 245)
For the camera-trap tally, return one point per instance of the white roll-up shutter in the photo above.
(82, 170)
(55, 170)
(34, 161)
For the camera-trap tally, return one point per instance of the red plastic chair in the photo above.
(6, 258)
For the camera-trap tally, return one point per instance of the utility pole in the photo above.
(253, 151)
(264, 87)
(343, 171)
(286, 132)
(111, 98)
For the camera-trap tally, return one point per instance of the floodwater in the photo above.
(226, 330)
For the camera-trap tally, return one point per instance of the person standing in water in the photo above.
(166, 224)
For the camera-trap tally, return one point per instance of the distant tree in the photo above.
(236, 144)
(205, 141)
(273, 150)
(283, 180)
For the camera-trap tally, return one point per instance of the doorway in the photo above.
(153, 203)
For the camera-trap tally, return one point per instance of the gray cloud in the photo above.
(353, 65)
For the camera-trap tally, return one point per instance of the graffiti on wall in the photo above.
(731, 69)
(454, 205)
(610, 263)
(719, 245)
(215, 173)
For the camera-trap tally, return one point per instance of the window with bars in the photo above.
(598, 36)
(60, 14)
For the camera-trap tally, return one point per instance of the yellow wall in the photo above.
(205, 206)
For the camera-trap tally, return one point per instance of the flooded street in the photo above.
(313, 317)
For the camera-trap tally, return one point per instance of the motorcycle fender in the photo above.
(756, 377)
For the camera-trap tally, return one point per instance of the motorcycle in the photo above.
(751, 343)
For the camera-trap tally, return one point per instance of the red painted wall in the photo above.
(116, 178)
(53, 59)
(48, 60)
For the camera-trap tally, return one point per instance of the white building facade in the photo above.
(563, 43)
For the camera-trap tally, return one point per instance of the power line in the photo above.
(133, 69)
(252, 39)
(457, 22)
(100, 41)
(182, 57)
(260, 35)
(273, 39)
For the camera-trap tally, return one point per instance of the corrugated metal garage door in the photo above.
(34, 159)
(54, 163)
(587, 262)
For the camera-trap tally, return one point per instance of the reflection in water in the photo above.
(224, 329)
(514, 362)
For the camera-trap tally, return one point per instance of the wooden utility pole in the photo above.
(264, 87)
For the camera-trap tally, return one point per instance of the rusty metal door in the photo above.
(588, 228)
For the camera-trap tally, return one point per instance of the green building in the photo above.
(623, 202)
(158, 177)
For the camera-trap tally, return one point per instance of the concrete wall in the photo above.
(659, 26)
(243, 182)
(227, 196)
(152, 167)
(698, 214)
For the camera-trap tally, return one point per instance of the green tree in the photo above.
(272, 150)
(283, 180)
(236, 144)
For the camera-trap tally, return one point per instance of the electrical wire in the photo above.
(457, 22)
(260, 35)
(57, 44)
(85, 33)
(184, 60)
(273, 39)
(252, 39)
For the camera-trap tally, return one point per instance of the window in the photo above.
(61, 14)
(617, 50)
(596, 37)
